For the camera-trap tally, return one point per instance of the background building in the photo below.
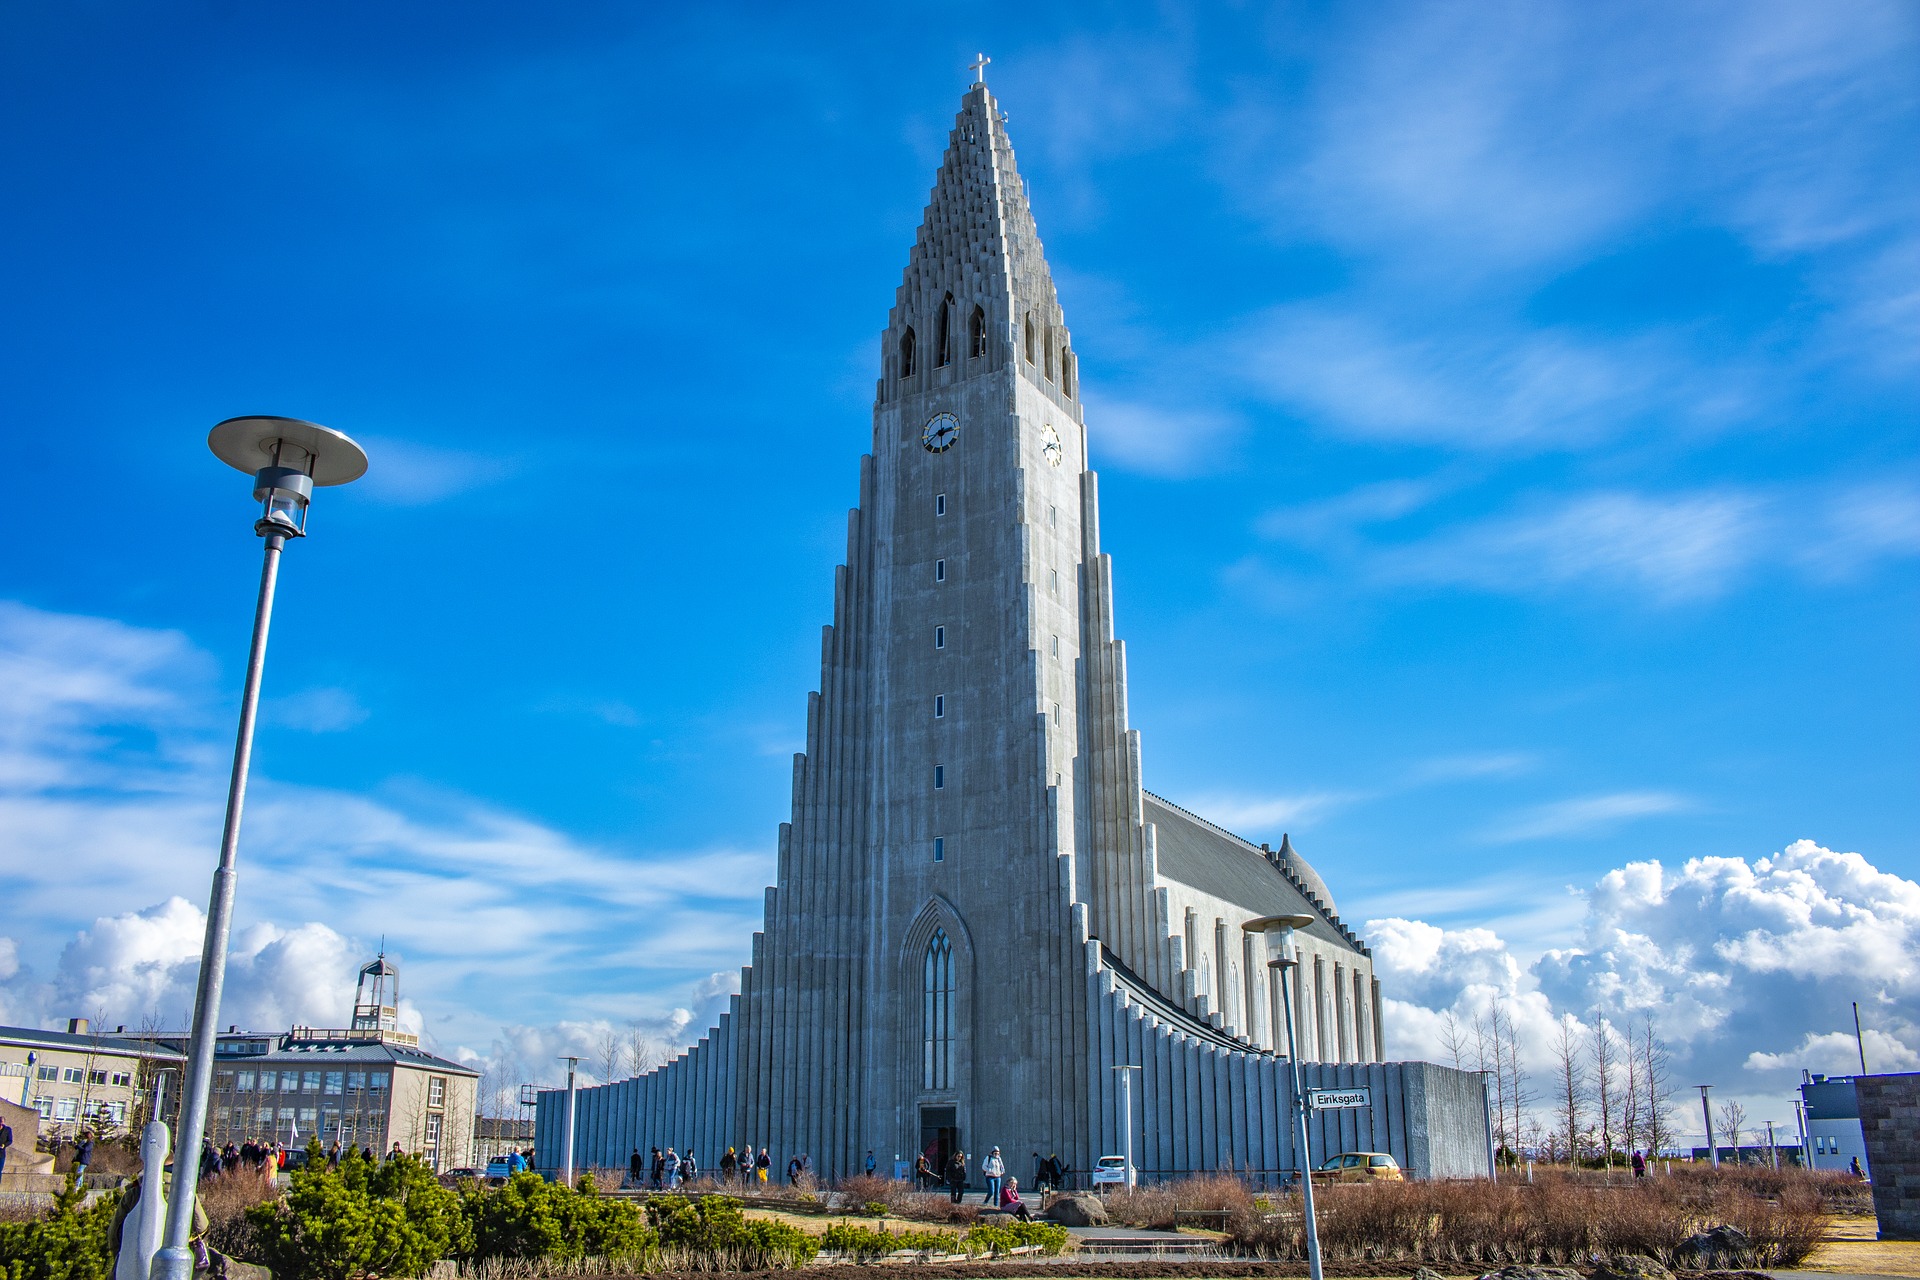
(80, 1078)
(1834, 1136)
(369, 1083)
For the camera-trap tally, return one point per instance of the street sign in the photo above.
(1339, 1099)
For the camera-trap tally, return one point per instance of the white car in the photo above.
(1110, 1171)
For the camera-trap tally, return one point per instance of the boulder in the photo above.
(1630, 1266)
(1078, 1211)
(1427, 1273)
(1519, 1272)
(1716, 1248)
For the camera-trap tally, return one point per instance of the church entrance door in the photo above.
(939, 1137)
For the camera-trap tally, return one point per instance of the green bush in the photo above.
(864, 1243)
(533, 1218)
(391, 1219)
(713, 1229)
(70, 1243)
(999, 1238)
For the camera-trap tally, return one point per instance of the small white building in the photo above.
(1835, 1138)
(79, 1078)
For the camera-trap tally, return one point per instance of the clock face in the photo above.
(941, 433)
(1050, 444)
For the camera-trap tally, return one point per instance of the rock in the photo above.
(1718, 1247)
(1427, 1273)
(234, 1269)
(1518, 1272)
(1630, 1266)
(1078, 1211)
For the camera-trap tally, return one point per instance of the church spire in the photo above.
(977, 282)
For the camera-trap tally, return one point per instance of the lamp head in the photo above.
(287, 457)
(1284, 927)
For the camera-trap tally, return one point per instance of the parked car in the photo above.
(499, 1169)
(1110, 1171)
(1360, 1166)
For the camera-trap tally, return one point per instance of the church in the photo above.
(980, 912)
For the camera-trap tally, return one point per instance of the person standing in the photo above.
(689, 1167)
(728, 1163)
(333, 1155)
(82, 1157)
(1639, 1165)
(872, 1164)
(659, 1169)
(993, 1169)
(957, 1176)
(6, 1145)
(636, 1169)
(673, 1168)
(761, 1164)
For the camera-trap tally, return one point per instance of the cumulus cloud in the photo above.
(113, 763)
(1747, 968)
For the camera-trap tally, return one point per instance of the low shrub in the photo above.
(391, 1219)
(530, 1217)
(710, 1233)
(889, 1195)
(862, 1244)
(69, 1242)
(995, 1239)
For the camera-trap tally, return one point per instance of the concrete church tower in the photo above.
(979, 911)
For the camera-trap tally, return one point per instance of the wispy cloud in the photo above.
(1585, 815)
(323, 710)
(1464, 768)
(1257, 814)
(405, 473)
(1141, 437)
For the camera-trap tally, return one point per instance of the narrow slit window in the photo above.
(1030, 337)
(943, 334)
(1066, 372)
(1056, 646)
(939, 570)
(906, 352)
(936, 1009)
(1046, 346)
(939, 504)
(939, 848)
(1053, 517)
(939, 705)
(1056, 713)
(939, 637)
(939, 777)
(977, 334)
(1053, 581)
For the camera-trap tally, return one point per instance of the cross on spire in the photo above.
(979, 66)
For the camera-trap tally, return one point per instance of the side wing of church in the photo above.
(979, 911)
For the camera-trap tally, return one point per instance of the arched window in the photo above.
(943, 333)
(1066, 372)
(906, 352)
(1029, 337)
(1046, 345)
(977, 334)
(937, 1014)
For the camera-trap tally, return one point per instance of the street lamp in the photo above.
(1706, 1109)
(1303, 1152)
(287, 459)
(1126, 1108)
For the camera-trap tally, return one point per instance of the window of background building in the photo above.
(377, 1081)
(939, 849)
(269, 1081)
(437, 1091)
(939, 705)
(939, 776)
(939, 637)
(309, 1116)
(223, 1081)
(356, 1081)
(73, 1075)
(96, 1077)
(49, 1073)
(939, 504)
(939, 570)
(333, 1082)
(243, 1082)
(66, 1109)
(433, 1131)
(310, 1082)
(123, 1078)
(289, 1082)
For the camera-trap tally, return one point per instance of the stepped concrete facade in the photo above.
(979, 911)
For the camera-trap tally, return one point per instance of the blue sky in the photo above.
(1505, 413)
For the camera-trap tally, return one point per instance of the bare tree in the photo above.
(644, 1052)
(1634, 1103)
(1507, 1042)
(1487, 1061)
(1571, 1083)
(1655, 1068)
(1453, 1039)
(1733, 1118)
(1604, 1072)
(608, 1052)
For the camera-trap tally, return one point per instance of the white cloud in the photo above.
(1255, 813)
(404, 473)
(1748, 969)
(1174, 442)
(1585, 815)
(114, 777)
(324, 710)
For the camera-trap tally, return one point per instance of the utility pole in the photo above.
(566, 1130)
(1126, 1110)
(1859, 1041)
(1706, 1110)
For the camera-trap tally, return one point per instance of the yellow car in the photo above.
(1359, 1166)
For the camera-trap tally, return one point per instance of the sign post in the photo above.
(1303, 1153)
(1340, 1099)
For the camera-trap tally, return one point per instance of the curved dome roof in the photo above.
(1303, 870)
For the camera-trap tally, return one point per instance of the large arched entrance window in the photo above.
(936, 1020)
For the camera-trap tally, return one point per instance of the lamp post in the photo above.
(1126, 1112)
(1303, 1152)
(1706, 1110)
(566, 1130)
(287, 459)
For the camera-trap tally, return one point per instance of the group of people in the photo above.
(1002, 1190)
(665, 1170)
